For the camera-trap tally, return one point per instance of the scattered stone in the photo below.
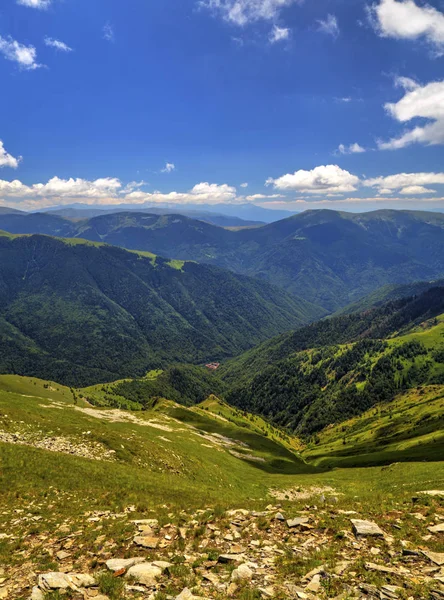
(435, 557)
(279, 517)
(366, 528)
(437, 528)
(242, 573)
(145, 573)
(37, 594)
(54, 581)
(230, 558)
(314, 584)
(117, 564)
(297, 522)
(146, 541)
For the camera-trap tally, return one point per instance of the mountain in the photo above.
(244, 212)
(88, 212)
(340, 367)
(80, 312)
(388, 293)
(329, 258)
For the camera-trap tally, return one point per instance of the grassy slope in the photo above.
(411, 428)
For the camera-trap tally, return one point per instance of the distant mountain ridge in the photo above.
(80, 312)
(329, 258)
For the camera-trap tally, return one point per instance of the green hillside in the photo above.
(81, 312)
(327, 257)
(330, 377)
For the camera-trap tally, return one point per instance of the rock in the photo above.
(390, 591)
(366, 528)
(279, 517)
(230, 558)
(82, 581)
(54, 581)
(315, 584)
(242, 573)
(37, 594)
(296, 592)
(162, 564)
(185, 595)
(146, 541)
(439, 493)
(62, 555)
(117, 564)
(297, 522)
(145, 573)
(435, 557)
(437, 528)
(381, 568)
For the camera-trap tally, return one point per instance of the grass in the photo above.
(409, 428)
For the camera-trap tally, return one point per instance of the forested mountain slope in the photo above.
(327, 257)
(340, 367)
(80, 313)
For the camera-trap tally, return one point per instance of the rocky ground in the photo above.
(311, 549)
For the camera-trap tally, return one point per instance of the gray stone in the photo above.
(279, 517)
(298, 522)
(82, 581)
(435, 557)
(242, 573)
(117, 564)
(145, 573)
(146, 541)
(366, 528)
(230, 558)
(54, 581)
(437, 528)
(37, 594)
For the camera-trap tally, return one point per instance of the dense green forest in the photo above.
(327, 257)
(340, 367)
(78, 312)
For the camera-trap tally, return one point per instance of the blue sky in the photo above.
(329, 103)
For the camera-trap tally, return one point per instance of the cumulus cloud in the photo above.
(42, 4)
(406, 183)
(406, 20)
(7, 160)
(412, 190)
(425, 102)
(254, 197)
(352, 149)
(279, 34)
(243, 12)
(108, 190)
(324, 179)
(24, 56)
(57, 44)
(169, 168)
(329, 25)
(244, 185)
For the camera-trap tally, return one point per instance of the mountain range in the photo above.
(80, 312)
(328, 258)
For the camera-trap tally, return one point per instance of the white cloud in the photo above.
(243, 12)
(352, 149)
(411, 190)
(108, 190)
(324, 179)
(279, 34)
(254, 197)
(406, 20)
(7, 160)
(329, 26)
(42, 4)
(407, 83)
(108, 32)
(244, 185)
(406, 183)
(169, 168)
(425, 102)
(57, 44)
(24, 56)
